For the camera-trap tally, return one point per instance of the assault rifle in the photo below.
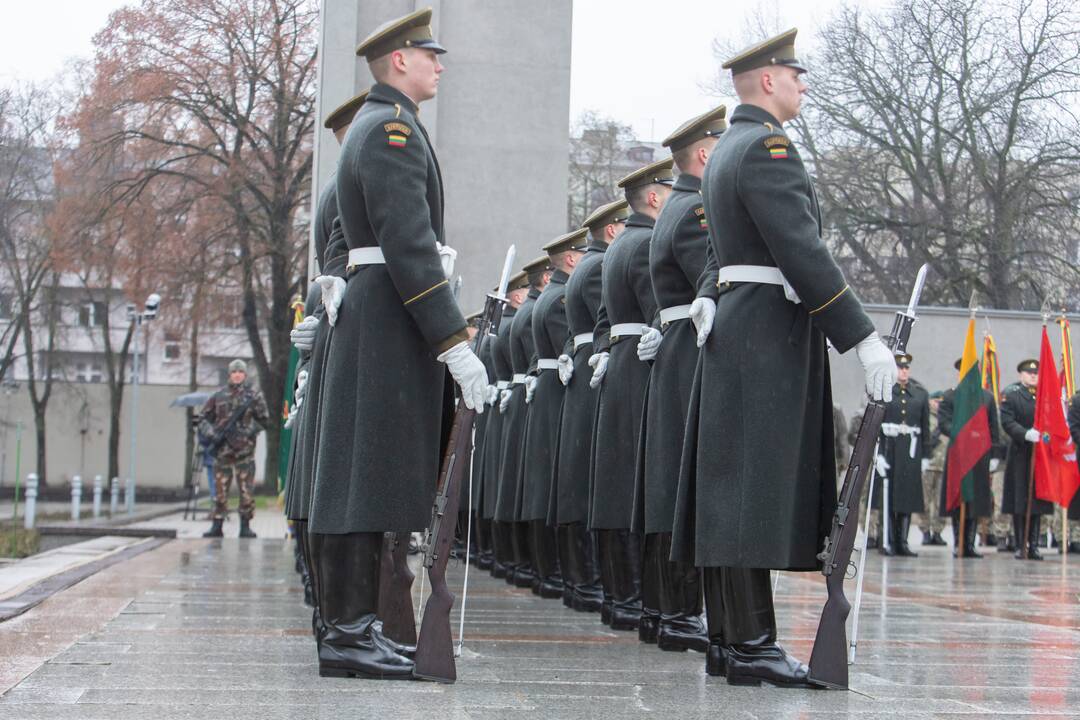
(829, 659)
(435, 647)
(222, 435)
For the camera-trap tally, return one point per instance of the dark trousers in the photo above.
(502, 543)
(739, 605)
(679, 582)
(621, 559)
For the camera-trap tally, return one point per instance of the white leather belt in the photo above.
(620, 330)
(582, 339)
(897, 429)
(502, 384)
(365, 256)
(518, 379)
(762, 274)
(671, 314)
(547, 364)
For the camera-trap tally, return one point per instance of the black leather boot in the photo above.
(353, 644)
(524, 572)
(651, 589)
(712, 581)
(754, 657)
(606, 549)
(301, 561)
(245, 528)
(682, 626)
(991, 540)
(1033, 539)
(311, 554)
(1009, 544)
(215, 529)
(903, 527)
(588, 589)
(1073, 547)
(626, 602)
(936, 539)
(545, 555)
(969, 537)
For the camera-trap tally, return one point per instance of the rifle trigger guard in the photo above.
(852, 570)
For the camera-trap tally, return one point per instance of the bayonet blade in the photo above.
(508, 267)
(916, 292)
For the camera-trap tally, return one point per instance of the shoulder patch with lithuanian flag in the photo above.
(700, 213)
(397, 134)
(777, 145)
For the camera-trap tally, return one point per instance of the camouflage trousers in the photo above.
(224, 471)
(1000, 525)
(931, 520)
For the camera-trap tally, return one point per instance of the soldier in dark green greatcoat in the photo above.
(676, 260)
(627, 310)
(1018, 422)
(512, 404)
(502, 545)
(398, 332)
(757, 487)
(544, 397)
(904, 450)
(569, 506)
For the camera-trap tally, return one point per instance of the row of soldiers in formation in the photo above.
(912, 460)
(659, 416)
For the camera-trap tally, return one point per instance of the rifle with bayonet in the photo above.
(829, 659)
(435, 646)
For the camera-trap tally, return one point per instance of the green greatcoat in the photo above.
(757, 486)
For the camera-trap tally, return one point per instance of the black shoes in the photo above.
(935, 539)
(550, 588)
(215, 530)
(683, 632)
(245, 528)
(716, 659)
(624, 619)
(370, 655)
(765, 662)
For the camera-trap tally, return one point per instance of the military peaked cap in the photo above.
(1029, 365)
(413, 30)
(573, 240)
(709, 124)
(539, 264)
(779, 50)
(517, 281)
(903, 361)
(613, 212)
(657, 172)
(345, 112)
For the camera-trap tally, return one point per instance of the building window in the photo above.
(88, 371)
(640, 154)
(172, 347)
(92, 314)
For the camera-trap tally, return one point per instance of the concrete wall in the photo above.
(159, 460)
(937, 340)
(500, 124)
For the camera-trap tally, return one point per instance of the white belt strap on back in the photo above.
(762, 274)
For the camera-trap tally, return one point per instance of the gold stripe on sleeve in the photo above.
(428, 291)
(831, 301)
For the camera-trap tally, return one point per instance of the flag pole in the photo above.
(1066, 369)
(973, 306)
(1031, 462)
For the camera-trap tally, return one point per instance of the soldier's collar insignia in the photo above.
(777, 145)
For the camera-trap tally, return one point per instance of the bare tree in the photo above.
(598, 148)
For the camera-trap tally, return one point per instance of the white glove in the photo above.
(702, 312)
(649, 344)
(301, 387)
(303, 335)
(447, 256)
(994, 464)
(292, 416)
(881, 465)
(566, 369)
(925, 464)
(469, 373)
(598, 363)
(504, 401)
(333, 292)
(530, 388)
(879, 365)
(1032, 435)
(492, 395)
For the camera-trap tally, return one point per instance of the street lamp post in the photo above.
(149, 313)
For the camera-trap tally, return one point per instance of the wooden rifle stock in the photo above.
(828, 661)
(395, 589)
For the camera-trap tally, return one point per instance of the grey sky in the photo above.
(638, 61)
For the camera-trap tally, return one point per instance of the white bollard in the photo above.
(31, 501)
(76, 497)
(98, 482)
(114, 496)
(129, 495)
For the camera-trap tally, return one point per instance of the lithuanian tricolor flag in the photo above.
(970, 437)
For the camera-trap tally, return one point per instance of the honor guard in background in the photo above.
(904, 450)
(983, 505)
(931, 522)
(512, 403)
(1072, 542)
(310, 337)
(676, 260)
(578, 554)
(627, 309)
(1018, 421)
(544, 399)
(484, 556)
(398, 332)
(502, 543)
(757, 488)
(468, 536)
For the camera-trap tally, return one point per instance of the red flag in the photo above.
(1056, 474)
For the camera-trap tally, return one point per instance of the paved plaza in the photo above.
(217, 629)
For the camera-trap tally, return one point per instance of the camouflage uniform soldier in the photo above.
(231, 419)
(930, 522)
